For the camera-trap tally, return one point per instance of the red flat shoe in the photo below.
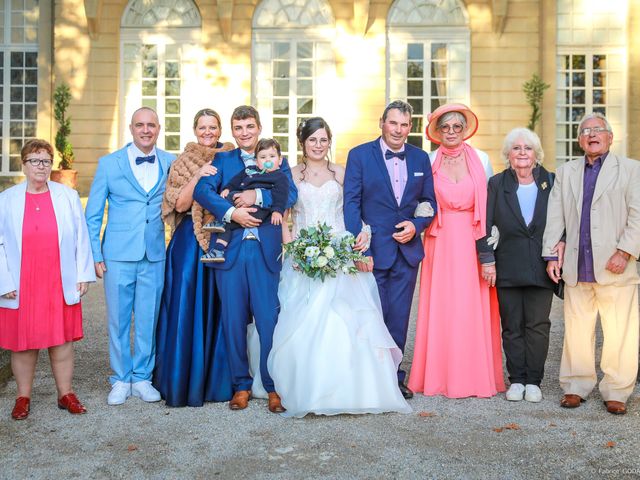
(71, 404)
(21, 408)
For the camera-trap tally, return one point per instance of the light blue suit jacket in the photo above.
(134, 225)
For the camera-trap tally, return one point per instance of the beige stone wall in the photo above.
(633, 105)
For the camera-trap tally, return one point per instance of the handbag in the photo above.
(558, 288)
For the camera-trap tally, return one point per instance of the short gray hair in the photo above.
(449, 115)
(404, 107)
(597, 115)
(530, 138)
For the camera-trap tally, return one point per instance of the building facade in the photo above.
(342, 59)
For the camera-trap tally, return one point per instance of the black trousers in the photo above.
(525, 331)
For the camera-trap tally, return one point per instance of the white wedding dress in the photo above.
(332, 352)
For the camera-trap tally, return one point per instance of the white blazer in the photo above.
(483, 156)
(76, 261)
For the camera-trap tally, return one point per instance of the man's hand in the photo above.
(245, 199)
(366, 266)
(489, 274)
(83, 287)
(553, 270)
(407, 233)
(362, 241)
(243, 216)
(100, 269)
(10, 295)
(558, 251)
(618, 262)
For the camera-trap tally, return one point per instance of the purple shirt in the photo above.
(585, 252)
(397, 170)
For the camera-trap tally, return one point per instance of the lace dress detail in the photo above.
(318, 205)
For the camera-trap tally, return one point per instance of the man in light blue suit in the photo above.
(131, 256)
(388, 185)
(248, 279)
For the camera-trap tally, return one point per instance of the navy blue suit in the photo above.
(369, 198)
(248, 280)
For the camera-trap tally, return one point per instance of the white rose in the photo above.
(311, 252)
(322, 261)
(329, 252)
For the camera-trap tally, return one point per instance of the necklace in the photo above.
(452, 161)
(33, 198)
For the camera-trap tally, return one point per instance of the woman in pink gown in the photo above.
(457, 349)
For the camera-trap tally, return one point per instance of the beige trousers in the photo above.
(618, 308)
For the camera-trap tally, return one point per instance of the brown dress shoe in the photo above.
(275, 405)
(71, 404)
(240, 400)
(21, 408)
(617, 408)
(570, 400)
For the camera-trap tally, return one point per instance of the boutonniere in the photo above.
(544, 185)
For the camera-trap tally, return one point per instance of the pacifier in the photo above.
(268, 164)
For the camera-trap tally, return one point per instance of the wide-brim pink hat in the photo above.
(470, 117)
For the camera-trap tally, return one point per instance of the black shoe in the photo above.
(406, 393)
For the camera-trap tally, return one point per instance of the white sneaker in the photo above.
(533, 394)
(145, 391)
(515, 392)
(119, 393)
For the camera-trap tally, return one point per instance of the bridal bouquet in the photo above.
(318, 253)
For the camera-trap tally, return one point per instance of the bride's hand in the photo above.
(362, 241)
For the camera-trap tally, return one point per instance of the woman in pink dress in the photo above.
(457, 344)
(45, 267)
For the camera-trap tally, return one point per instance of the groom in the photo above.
(388, 185)
(248, 280)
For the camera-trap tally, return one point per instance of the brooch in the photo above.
(543, 185)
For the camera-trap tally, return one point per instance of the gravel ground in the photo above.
(443, 438)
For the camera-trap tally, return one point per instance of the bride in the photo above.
(331, 350)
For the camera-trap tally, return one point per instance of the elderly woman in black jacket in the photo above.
(517, 207)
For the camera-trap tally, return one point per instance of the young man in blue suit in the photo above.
(388, 185)
(131, 256)
(248, 280)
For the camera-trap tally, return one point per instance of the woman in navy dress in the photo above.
(191, 359)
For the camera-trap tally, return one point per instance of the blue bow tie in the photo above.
(247, 157)
(390, 154)
(150, 159)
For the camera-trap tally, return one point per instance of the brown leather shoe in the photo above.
(240, 400)
(21, 408)
(615, 407)
(275, 405)
(71, 404)
(570, 400)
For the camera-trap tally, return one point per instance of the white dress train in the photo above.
(332, 352)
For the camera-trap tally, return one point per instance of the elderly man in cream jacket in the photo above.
(595, 202)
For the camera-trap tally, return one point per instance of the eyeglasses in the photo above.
(457, 128)
(36, 162)
(595, 130)
(315, 141)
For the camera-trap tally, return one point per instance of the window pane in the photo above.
(15, 163)
(415, 51)
(281, 88)
(172, 105)
(415, 140)
(281, 50)
(281, 106)
(416, 103)
(415, 70)
(578, 96)
(149, 102)
(305, 105)
(439, 52)
(280, 125)
(599, 62)
(578, 62)
(150, 69)
(305, 87)
(172, 124)
(17, 59)
(149, 87)
(414, 88)
(16, 111)
(416, 125)
(172, 142)
(31, 94)
(281, 69)
(30, 112)
(31, 77)
(172, 70)
(578, 79)
(15, 129)
(16, 94)
(31, 59)
(29, 129)
(172, 88)
(599, 79)
(599, 97)
(305, 69)
(284, 143)
(14, 147)
(305, 50)
(17, 77)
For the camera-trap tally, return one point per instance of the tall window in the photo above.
(428, 58)
(290, 55)
(159, 66)
(591, 71)
(18, 79)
